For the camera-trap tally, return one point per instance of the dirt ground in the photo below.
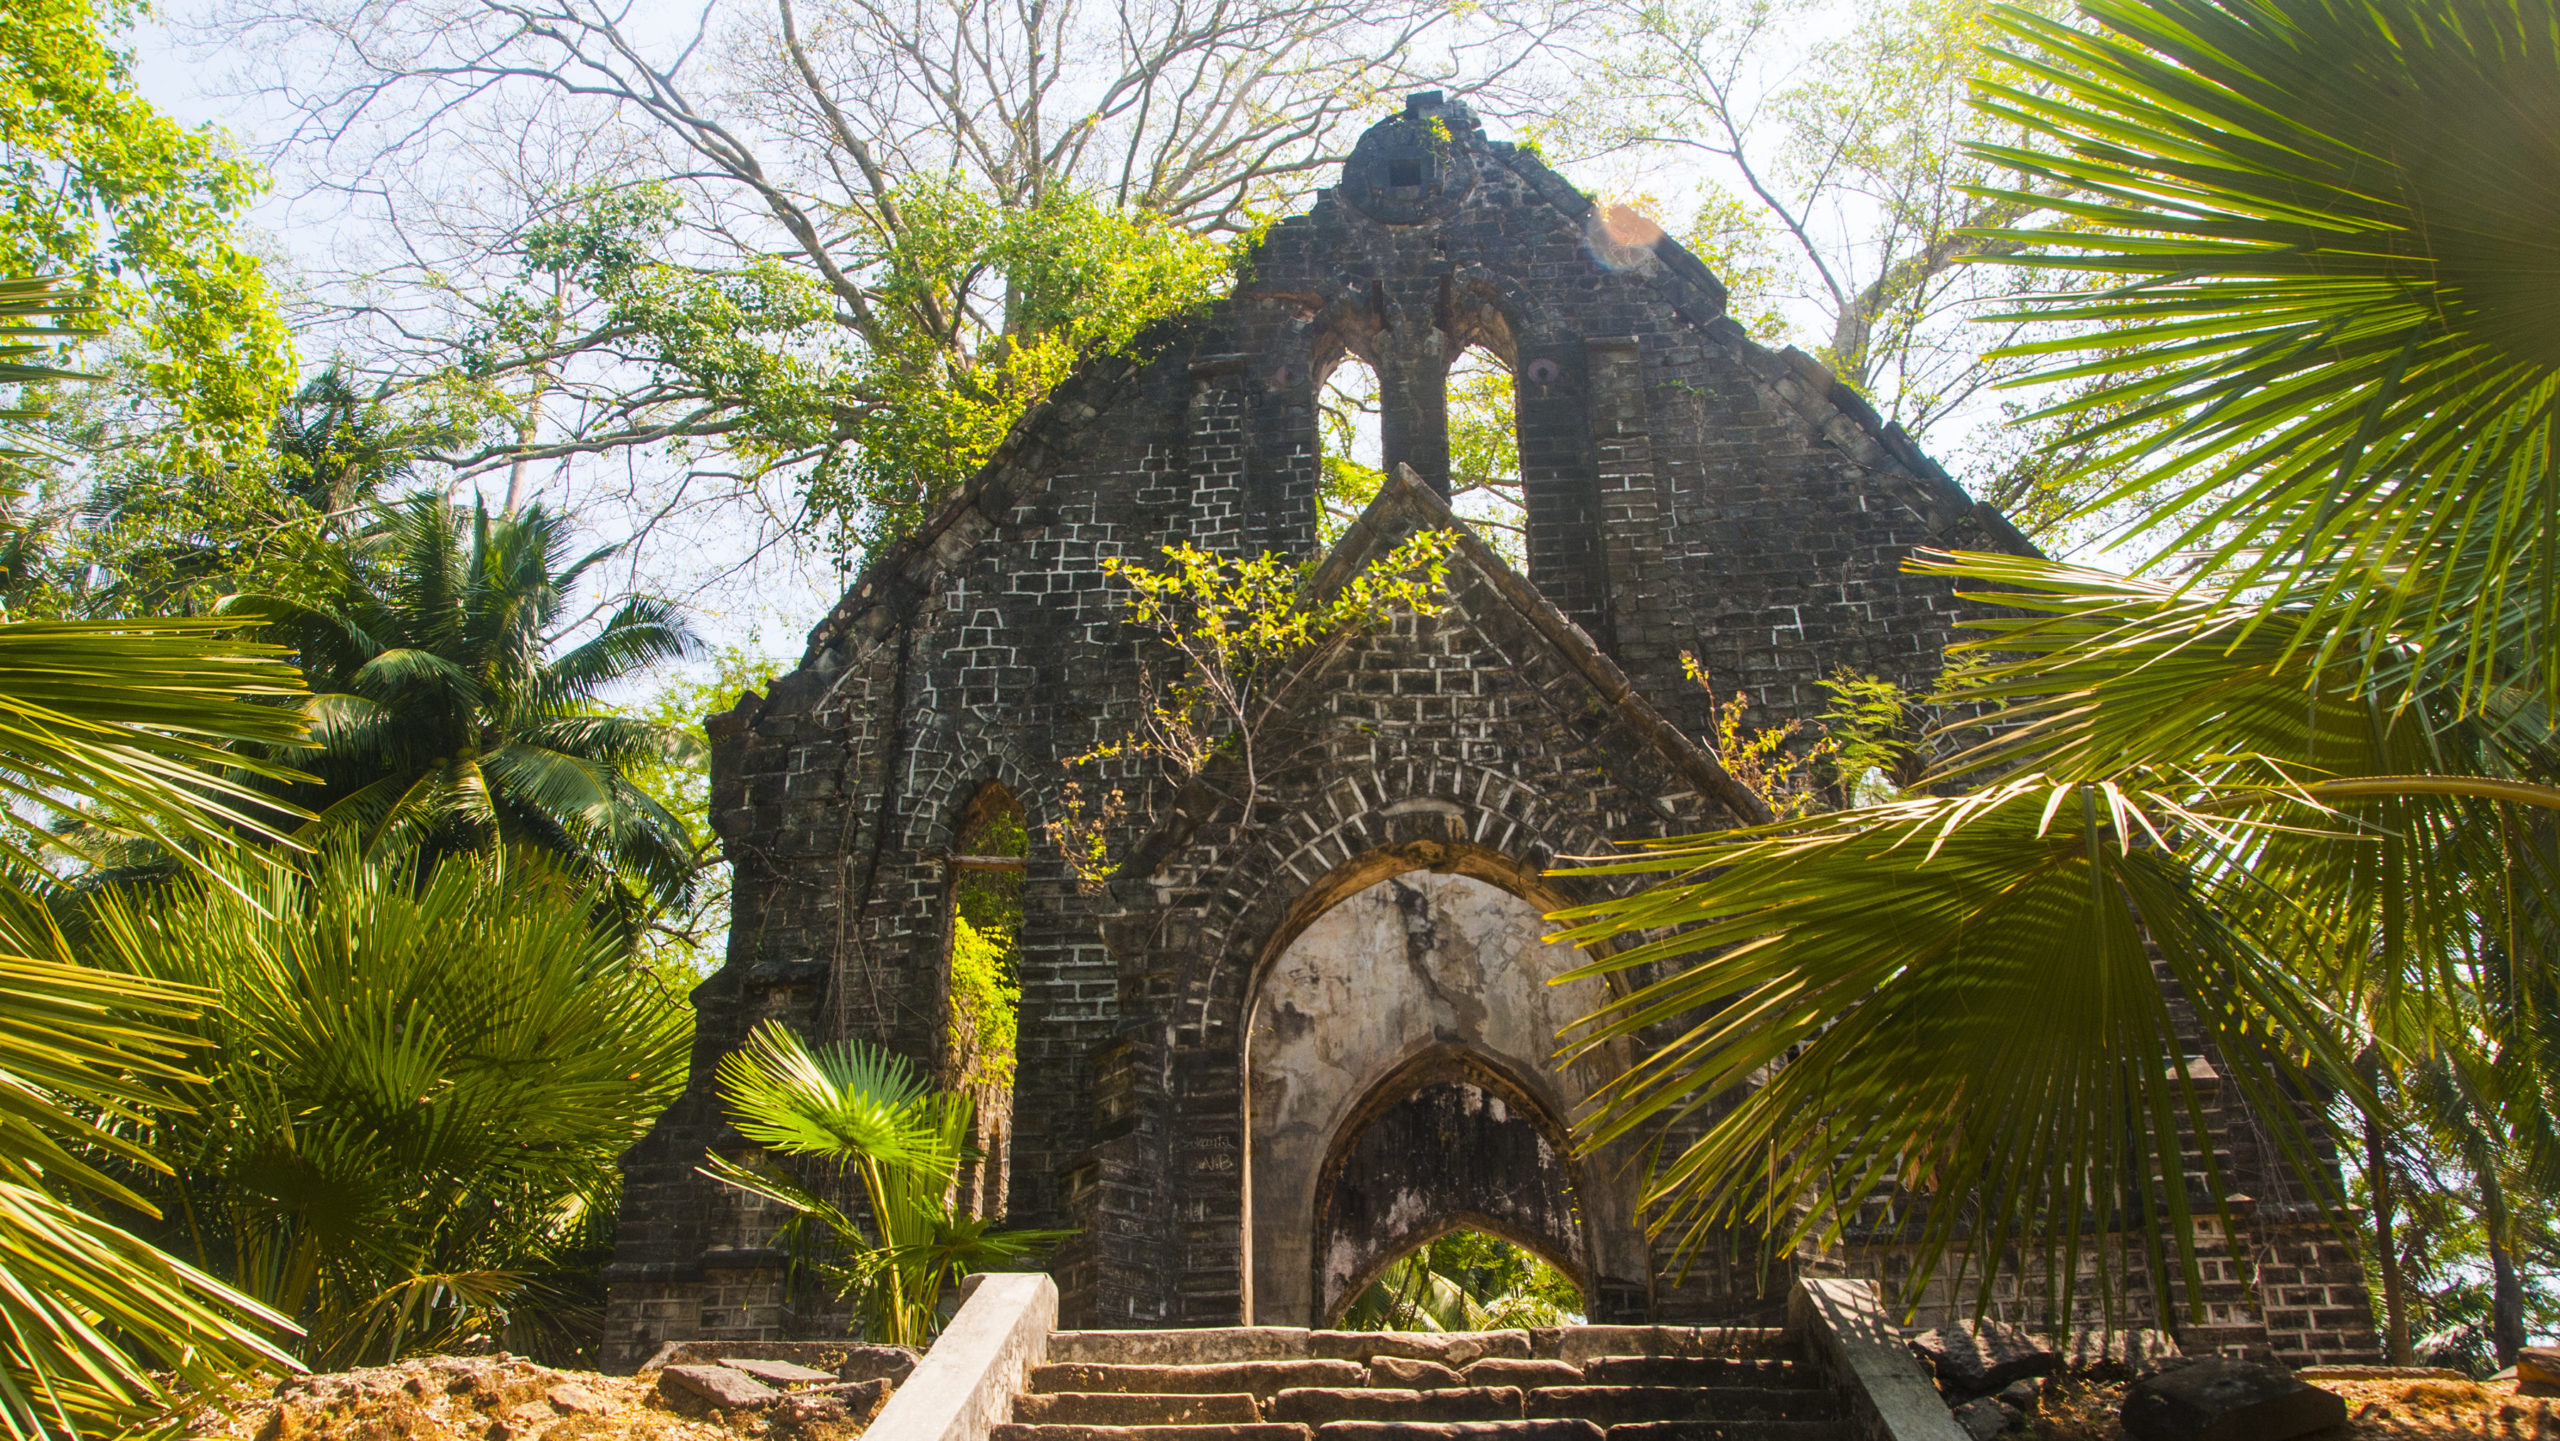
(2377, 1410)
(474, 1398)
(471, 1398)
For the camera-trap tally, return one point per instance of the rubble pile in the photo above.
(507, 1398)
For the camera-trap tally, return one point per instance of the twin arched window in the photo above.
(1484, 448)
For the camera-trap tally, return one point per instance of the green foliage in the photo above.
(96, 182)
(983, 308)
(36, 315)
(1466, 1281)
(687, 939)
(986, 1004)
(860, 1110)
(156, 535)
(2315, 771)
(455, 711)
(739, 340)
(1867, 726)
(965, 312)
(1744, 246)
(2329, 290)
(113, 716)
(98, 1329)
(986, 928)
(406, 1109)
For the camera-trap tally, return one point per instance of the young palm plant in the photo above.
(450, 716)
(2293, 784)
(865, 1112)
(99, 1329)
(402, 1121)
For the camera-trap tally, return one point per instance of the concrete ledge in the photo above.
(963, 1388)
(1847, 1337)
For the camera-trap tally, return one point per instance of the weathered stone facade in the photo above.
(1193, 1094)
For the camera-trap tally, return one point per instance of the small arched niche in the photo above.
(982, 987)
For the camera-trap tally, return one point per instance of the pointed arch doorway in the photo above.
(1400, 1082)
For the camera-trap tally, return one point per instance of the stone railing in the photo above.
(964, 1386)
(1844, 1332)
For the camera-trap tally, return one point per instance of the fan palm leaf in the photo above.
(141, 722)
(846, 1102)
(2338, 285)
(863, 1110)
(419, 1078)
(2301, 790)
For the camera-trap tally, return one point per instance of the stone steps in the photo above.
(1138, 1408)
(1257, 1378)
(1594, 1383)
(1629, 1405)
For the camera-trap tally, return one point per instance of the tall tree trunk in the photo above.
(2506, 1296)
(2395, 1303)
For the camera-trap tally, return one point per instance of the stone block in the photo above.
(1406, 1373)
(2220, 1399)
(1983, 1418)
(1524, 1373)
(776, 1372)
(1315, 1405)
(717, 1386)
(1977, 1358)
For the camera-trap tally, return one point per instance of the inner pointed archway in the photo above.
(1446, 1142)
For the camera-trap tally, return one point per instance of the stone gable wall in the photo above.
(1687, 490)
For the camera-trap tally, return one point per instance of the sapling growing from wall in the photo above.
(1243, 633)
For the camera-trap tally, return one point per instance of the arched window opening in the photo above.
(984, 989)
(1466, 1281)
(1484, 453)
(1352, 447)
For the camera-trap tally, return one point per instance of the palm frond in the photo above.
(141, 718)
(1858, 1010)
(36, 312)
(842, 1101)
(2337, 285)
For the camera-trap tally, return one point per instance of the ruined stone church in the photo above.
(1266, 1062)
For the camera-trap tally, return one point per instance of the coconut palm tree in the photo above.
(2300, 776)
(459, 708)
(138, 720)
